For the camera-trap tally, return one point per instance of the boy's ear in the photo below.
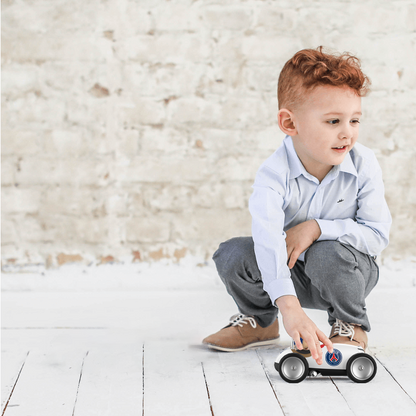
(286, 120)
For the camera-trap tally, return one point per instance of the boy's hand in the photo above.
(298, 324)
(299, 238)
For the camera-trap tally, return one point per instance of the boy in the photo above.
(319, 217)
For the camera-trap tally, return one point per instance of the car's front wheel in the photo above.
(293, 368)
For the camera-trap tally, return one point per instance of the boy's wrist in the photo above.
(287, 302)
(317, 229)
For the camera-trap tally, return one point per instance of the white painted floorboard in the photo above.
(238, 385)
(174, 382)
(48, 384)
(12, 363)
(138, 352)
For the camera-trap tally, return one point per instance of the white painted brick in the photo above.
(235, 197)
(168, 198)
(266, 47)
(168, 169)
(75, 201)
(163, 140)
(410, 19)
(133, 20)
(9, 235)
(274, 18)
(212, 225)
(42, 171)
(127, 142)
(92, 230)
(42, 47)
(162, 80)
(148, 229)
(238, 168)
(263, 78)
(55, 17)
(21, 142)
(208, 195)
(143, 111)
(268, 139)
(19, 79)
(34, 111)
(8, 170)
(17, 200)
(218, 141)
(164, 48)
(65, 142)
(176, 17)
(244, 112)
(227, 18)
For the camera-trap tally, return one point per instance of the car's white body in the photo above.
(334, 364)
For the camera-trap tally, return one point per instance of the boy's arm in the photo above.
(266, 208)
(271, 245)
(368, 231)
(295, 320)
(299, 238)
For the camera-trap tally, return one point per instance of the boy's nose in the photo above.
(346, 133)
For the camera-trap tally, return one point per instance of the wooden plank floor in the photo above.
(139, 353)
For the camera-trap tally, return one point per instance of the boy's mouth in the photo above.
(340, 149)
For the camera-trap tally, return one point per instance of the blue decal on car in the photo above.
(333, 358)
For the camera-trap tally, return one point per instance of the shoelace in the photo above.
(344, 329)
(239, 319)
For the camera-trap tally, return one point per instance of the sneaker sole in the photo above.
(266, 343)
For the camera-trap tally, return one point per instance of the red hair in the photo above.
(312, 67)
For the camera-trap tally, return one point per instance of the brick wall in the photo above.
(132, 130)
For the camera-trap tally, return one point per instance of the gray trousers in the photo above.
(334, 277)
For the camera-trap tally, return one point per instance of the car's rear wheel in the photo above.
(361, 368)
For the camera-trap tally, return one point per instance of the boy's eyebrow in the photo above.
(340, 114)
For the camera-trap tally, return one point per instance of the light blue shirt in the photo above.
(348, 204)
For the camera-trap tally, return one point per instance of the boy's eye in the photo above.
(335, 121)
(355, 121)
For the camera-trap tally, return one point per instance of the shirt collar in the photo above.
(296, 168)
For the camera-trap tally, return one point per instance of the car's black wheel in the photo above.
(361, 368)
(293, 368)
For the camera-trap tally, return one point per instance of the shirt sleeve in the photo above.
(266, 208)
(369, 231)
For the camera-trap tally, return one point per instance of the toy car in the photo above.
(295, 365)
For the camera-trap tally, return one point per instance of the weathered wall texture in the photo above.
(132, 130)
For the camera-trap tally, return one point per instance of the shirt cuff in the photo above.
(330, 229)
(280, 287)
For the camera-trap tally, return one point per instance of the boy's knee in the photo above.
(233, 254)
(329, 259)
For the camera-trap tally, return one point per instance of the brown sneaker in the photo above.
(242, 333)
(344, 333)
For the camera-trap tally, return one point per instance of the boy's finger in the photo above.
(313, 346)
(293, 258)
(326, 341)
(298, 342)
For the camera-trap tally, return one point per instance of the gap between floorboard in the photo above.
(206, 385)
(266, 372)
(79, 383)
(14, 384)
(391, 375)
